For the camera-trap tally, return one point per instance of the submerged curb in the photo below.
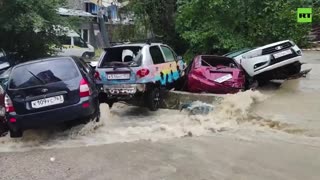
(175, 99)
(311, 49)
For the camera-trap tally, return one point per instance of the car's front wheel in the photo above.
(86, 55)
(294, 68)
(3, 129)
(153, 99)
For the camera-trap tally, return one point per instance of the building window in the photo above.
(92, 8)
(85, 35)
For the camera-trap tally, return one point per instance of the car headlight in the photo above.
(299, 52)
(293, 44)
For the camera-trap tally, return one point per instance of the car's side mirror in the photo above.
(179, 58)
(93, 64)
(4, 65)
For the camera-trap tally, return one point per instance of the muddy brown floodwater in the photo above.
(289, 112)
(272, 133)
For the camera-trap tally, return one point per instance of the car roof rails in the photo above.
(146, 41)
(153, 40)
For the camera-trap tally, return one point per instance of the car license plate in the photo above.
(283, 53)
(47, 102)
(118, 76)
(223, 78)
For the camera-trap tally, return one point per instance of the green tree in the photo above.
(28, 27)
(222, 25)
(157, 17)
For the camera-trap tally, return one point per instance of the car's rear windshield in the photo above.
(122, 56)
(215, 61)
(42, 73)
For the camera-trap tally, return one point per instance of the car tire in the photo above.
(153, 99)
(3, 129)
(294, 68)
(16, 133)
(110, 103)
(86, 55)
(96, 116)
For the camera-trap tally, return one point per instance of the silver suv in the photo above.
(138, 72)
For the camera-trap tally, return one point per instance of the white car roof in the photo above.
(138, 44)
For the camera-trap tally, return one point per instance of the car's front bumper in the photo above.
(278, 65)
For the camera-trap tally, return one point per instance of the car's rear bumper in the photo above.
(123, 91)
(197, 84)
(52, 117)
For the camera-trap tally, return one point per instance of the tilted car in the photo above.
(4, 77)
(138, 72)
(5, 66)
(49, 91)
(215, 74)
(278, 60)
(5, 61)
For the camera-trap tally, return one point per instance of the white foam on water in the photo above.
(127, 124)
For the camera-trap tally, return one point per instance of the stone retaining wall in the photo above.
(174, 99)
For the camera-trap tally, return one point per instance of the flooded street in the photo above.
(278, 126)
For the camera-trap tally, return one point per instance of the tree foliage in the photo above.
(221, 25)
(157, 17)
(27, 27)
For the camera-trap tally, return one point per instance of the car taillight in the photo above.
(97, 75)
(143, 72)
(8, 104)
(84, 88)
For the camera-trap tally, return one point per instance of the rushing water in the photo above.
(290, 112)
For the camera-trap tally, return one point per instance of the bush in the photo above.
(27, 27)
(217, 26)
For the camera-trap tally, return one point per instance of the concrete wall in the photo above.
(175, 99)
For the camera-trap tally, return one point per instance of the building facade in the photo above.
(90, 30)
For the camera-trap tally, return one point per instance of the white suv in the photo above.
(278, 60)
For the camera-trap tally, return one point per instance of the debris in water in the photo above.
(303, 73)
(197, 107)
(52, 159)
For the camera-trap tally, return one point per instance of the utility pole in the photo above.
(104, 32)
(102, 24)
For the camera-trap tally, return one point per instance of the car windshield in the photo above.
(42, 72)
(122, 56)
(238, 52)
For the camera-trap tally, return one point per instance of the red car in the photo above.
(215, 74)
